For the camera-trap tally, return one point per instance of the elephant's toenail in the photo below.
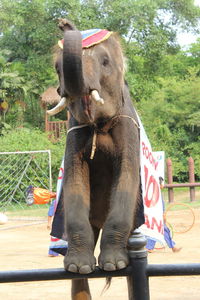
(85, 269)
(121, 265)
(109, 267)
(72, 268)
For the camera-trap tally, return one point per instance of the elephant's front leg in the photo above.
(120, 219)
(79, 257)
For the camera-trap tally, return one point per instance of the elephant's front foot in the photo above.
(111, 259)
(79, 262)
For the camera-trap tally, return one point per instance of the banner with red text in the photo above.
(152, 198)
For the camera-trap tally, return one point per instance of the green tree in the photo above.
(11, 84)
(171, 118)
(163, 79)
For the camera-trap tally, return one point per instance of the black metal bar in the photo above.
(56, 274)
(151, 270)
(173, 269)
(138, 282)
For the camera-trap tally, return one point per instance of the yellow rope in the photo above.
(125, 116)
(94, 140)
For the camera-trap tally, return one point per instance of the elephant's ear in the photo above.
(65, 24)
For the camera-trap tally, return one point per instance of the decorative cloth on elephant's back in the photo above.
(91, 37)
(60, 244)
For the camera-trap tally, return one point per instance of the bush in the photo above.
(24, 139)
(4, 128)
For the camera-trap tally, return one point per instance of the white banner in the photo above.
(60, 181)
(160, 158)
(152, 198)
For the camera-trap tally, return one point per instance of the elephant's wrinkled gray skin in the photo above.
(102, 192)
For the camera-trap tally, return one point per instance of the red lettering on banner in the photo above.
(158, 226)
(152, 191)
(151, 224)
(146, 172)
(155, 164)
(61, 171)
(149, 156)
(147, 221)
(143, 147)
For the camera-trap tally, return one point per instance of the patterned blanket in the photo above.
(91, 37)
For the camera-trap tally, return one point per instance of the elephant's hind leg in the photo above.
(80, 289)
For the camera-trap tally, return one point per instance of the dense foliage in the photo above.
(164, 79)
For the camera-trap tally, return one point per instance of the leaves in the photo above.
(163, 79)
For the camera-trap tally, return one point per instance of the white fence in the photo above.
(18, 170)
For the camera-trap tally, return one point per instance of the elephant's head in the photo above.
(90, 79)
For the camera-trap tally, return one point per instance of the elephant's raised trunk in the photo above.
(74, 86)
(72, 63)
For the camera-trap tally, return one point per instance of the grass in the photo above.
(183, 196)
(193, 205)
(27, 211)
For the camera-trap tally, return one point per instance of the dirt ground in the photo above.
(26, 247)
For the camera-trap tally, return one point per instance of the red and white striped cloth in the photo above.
(91, 37)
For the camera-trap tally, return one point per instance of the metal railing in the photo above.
(191, 184)
(137, 273)
(55, 128)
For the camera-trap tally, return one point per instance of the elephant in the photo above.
(101, 186)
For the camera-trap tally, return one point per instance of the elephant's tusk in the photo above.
(96, 97)
(59, 107)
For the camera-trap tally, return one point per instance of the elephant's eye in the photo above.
(105, 61)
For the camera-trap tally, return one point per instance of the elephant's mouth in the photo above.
(86, 101)
(87, 107)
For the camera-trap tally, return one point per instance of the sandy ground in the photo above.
(26, 247)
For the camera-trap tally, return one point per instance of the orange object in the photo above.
(42, 196)
(4, 105)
